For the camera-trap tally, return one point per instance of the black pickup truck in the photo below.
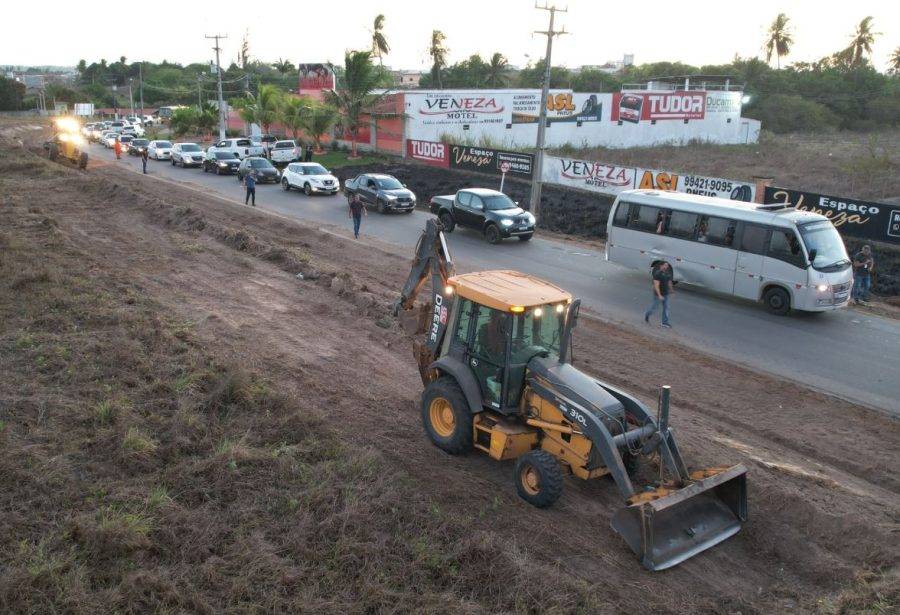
(383, 192)
(491, 212)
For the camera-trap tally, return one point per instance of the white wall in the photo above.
(507, 118)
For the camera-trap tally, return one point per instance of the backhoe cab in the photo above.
(497, 375)
(67, 142)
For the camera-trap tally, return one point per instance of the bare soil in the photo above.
(265, 451)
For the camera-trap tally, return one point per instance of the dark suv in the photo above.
(221, 163)
(490, 212)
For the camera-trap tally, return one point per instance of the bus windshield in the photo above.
(830, 253)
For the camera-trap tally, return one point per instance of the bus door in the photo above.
(752, 241)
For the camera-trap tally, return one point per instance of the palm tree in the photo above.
(318, 121)
(380, 45)
(354, 96)
(292, 111)
(779, 39)
(861, 42)
(261, 109)
(283, 67)
(497, 70)
(438, 52)
(207, 117)
(894, 66)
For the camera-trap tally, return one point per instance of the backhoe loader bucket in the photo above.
(665, 527)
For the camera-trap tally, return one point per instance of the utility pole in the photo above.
(537, 180)
(141, 77)
(131, 95)
(219, 79)
(200, 92)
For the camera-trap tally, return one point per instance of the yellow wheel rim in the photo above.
(441, 415)
(531, 480)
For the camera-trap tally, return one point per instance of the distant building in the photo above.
(610, 68)
(407, 78)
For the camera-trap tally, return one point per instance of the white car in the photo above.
(242, 147)
(284, 151)
(159, 150)
(311, 177)
(150, 120)
(117, 126)
(133, 129)
(109, 138)
(86, 130)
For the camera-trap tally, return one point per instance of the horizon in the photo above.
(815, 34)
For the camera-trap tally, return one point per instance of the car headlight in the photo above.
(223, 164)
(390, 197)
(822, 288)
(506, 222)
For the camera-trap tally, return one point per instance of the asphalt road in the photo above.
(847, 353)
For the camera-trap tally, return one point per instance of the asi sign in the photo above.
(635, 107)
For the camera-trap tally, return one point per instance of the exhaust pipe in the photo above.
(666, 526)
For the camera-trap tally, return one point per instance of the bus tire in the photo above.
(777, 300)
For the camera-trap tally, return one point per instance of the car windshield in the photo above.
(389, 183)
(260, 163)
(140, 142)
(536, 331)
(284, 145)
(315, 169)
(825, 240)
(163, 144)
(226, 155)
(190, 147)
(126, 139)
(497, 202)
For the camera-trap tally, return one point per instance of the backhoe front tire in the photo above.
(447, 222)
(539, 478)
(446, 416)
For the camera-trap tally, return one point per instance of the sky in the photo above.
(322, 30)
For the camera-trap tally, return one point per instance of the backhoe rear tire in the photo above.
(446, 416)
(539, 478)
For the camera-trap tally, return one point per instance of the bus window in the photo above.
(682, 224)
(621, 217)
(715, 231)
(754, 239)
(646, 219)
(785, 246)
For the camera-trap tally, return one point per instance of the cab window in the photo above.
(464, 198)
(785, 246)
(242, 142)
(621, 217)
(488, 352)
(476, 202)
(716, 231)
(682, 225)
(461, 334)
(754, 239)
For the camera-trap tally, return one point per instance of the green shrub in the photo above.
(791, 113)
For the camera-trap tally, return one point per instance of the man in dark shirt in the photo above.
(662, 287)
(863, 264)
(357, 211)
(144, 159)
(250, 184)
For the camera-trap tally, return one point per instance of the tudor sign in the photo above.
(658, 106)
(428, 152)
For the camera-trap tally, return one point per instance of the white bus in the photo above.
(784, 257)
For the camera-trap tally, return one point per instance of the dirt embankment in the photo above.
(309, 483)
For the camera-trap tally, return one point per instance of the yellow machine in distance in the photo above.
(67, 142)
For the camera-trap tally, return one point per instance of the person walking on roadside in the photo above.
(144, 156)
(117, 147)
(863, 265)
(357, 211)
(250, 185)
(662, 287)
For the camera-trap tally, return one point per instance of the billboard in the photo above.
(588, 175)
(635, 107)
(84, 109)
(562, 106)
(449, 108)
(316, 77)
(493, 161)
(852, 217)
(428, 152)
(650, 179)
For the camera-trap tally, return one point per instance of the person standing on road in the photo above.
(863, 265)
(307, 155)
(117, 146)
(144, 156)
(250, 184)
(662, 287)
(357, 211)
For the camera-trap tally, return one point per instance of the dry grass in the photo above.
(138, 474)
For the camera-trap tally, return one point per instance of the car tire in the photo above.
(492, 234)
(379, 205)
(307, 189)
(446, 416)
(285, 184)
(777, 301)
(539, 478)
(447, 221)
(526, 237)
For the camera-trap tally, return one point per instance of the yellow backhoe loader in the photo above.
(494, 360)
(67, 142)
